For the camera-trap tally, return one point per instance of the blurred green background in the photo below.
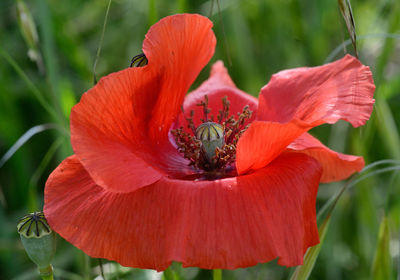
(40, 80)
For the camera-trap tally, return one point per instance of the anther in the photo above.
(211, 146)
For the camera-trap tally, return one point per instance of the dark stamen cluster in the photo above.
(225, 157)
(188, 145)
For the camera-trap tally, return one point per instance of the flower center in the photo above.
(211, 147)
(211, 136)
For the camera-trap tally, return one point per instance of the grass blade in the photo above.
(23, 139)
(226, 47)
(49, 53)
(330, 204)
(3, 201)
(389, 45)
(382, 266)
(347, 13)
(32, 198)
(31, 85)
(101, 42)
(304, 271)
(339, 48)
(387, 127)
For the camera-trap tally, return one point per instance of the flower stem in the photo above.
(46, 273)
(169, 274)
(217, 274)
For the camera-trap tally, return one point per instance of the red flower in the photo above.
(126, 194)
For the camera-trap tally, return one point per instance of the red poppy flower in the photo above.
(130, 195)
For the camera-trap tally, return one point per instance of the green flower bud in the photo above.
(38, 239)
(211, 135)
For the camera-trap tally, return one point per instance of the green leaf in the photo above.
(303, 272)
(382, 266)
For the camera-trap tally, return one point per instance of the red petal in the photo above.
(300, 99)
(218, 85)
(263, 142)
(335, 166)
(228, 223)
(119, 129)
(179, 47)
(339, 90)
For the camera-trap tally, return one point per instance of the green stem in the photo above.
(152, 12)
(168, 274)
(46, 273)
(101, 42)
(86, 272)
(217, 274)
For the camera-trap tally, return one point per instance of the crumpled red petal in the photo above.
(300, 99)
(335, 166)
(178, 47)
(339, 90)
(218, 85)
(263, 142)
(119, 129)
(227, 223)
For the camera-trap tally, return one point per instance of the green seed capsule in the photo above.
(211, 135)
(38, 239)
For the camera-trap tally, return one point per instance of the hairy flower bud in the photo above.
(211, 135)
(38, 239)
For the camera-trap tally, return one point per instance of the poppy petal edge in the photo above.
(228, 223)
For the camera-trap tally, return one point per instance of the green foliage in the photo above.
(255, 40)
(303, 272)
(217, 274)
(347, 13)
(382, 266)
